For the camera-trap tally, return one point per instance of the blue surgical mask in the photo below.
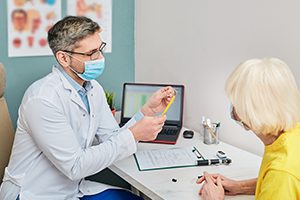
(92, 69)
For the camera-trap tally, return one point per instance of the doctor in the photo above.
(66, 131)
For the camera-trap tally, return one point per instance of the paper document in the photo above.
(167, 158)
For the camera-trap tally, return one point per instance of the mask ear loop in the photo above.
(76, 72)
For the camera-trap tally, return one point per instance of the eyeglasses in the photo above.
(93, 55)
(235, 118)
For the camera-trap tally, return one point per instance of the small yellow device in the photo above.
(169, 104)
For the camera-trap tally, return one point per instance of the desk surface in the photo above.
(158, 184)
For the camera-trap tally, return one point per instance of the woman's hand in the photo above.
(158, 101)
(212, 188)
(233, 187)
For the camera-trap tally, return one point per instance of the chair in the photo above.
(6, 128)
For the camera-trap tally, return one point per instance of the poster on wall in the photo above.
(28, 22)
(98, 10)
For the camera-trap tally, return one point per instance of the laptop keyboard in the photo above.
(169, 131)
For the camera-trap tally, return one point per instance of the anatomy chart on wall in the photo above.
(98, 10)
(28, 24)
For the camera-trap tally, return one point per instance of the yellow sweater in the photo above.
(279, 175)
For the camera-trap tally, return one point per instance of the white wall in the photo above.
(199, 42)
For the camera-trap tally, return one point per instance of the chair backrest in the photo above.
(6, 128)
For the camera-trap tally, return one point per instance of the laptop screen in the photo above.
(135, 95)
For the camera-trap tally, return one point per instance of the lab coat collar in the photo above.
(80, 89)
(67, 85)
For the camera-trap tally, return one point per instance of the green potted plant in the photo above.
(110, 97)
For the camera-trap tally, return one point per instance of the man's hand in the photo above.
(147, 128)
(158, 101)
(212, 188)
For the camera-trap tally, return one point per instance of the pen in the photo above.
(213, 162)
(208, 123)
(169, 104)
(211, 132)
(203, 120)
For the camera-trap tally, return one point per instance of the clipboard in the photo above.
(158, 159)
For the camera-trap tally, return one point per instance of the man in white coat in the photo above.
(65, 129)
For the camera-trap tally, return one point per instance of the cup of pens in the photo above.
(210, 132)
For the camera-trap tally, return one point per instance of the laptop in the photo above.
(135, 95)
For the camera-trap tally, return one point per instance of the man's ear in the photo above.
(63, 59)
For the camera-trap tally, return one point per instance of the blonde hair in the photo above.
(265, 95)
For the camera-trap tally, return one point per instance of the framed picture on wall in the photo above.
(28, 22)
(98, 10)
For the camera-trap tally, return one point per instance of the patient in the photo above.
(265, 99)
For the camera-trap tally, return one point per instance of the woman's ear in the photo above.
(63, 59)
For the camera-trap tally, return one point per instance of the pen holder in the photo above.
(211, 134)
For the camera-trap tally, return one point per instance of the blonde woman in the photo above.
(265, 99)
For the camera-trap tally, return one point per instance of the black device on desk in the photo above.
(135, 95)
(226, 161)
(188, 134)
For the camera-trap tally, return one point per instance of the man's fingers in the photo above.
(158, 131)
(167, 92)
(160, 119)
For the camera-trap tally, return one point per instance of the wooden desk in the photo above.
(158, 184)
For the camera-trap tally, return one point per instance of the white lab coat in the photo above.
(54, 146)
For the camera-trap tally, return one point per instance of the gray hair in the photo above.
(66, 33)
